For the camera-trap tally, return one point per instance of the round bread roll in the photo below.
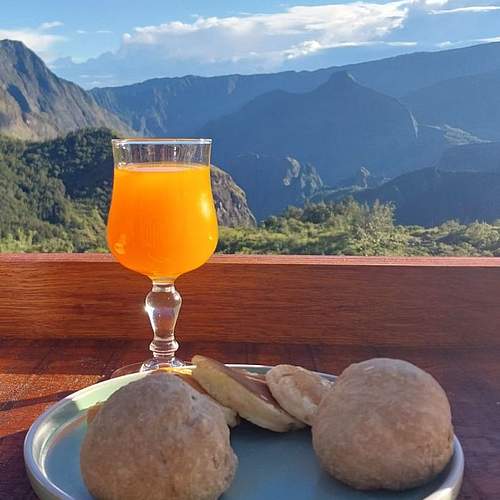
(160, 439)
(186, 374)
(385, 424)
(297, 390)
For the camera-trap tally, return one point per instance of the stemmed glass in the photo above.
(162, 223)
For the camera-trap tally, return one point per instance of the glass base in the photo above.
(149, 365)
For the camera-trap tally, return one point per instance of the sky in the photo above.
(111, 42)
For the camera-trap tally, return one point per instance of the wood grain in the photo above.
(67, 321)
(41, 372)
(376, 302)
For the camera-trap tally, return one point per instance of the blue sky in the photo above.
(110, 42)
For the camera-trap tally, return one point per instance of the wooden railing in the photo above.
(414, 302)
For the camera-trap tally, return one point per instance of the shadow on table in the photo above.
(20, 403)
(14, 483)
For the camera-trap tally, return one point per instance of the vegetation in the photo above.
(350, 228)
(46, 206)
(54, 197)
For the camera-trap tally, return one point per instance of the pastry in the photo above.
(297, 390)
(244, 392)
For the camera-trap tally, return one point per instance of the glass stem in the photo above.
(163, 303)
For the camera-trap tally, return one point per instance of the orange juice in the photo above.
(162, 220)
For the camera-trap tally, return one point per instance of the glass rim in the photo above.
(166, 141)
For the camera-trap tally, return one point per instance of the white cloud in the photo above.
(402, 44)
(250, 43)
(471, 9)
(461, 43)
(446, 44)
(269, 38)
(37, 39)
(98, 32)
(488, 40)
(49, 25)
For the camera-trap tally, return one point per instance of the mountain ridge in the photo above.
(35, 104)
(395, 76)
(338, 127)
(481, 157)
(444, 103)
(429, 197)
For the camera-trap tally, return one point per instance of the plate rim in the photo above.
(452, 482)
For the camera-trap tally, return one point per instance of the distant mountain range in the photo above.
(430, 196)
(412, 129)
(181, 106)
(35, 104)
(483, 157)
(463, 185)
(172, 107)
(471, 102)
(400, 75)
(339, 127)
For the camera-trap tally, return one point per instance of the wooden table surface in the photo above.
(428, 326)
(39, 373)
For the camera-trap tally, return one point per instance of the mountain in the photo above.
(272, 183)
(482, 157)
(35, 104)
(400, 75)
(469, 102)
(36, 208)
(429, 197)
(230, 200)
(181, 106)
(339, 127)
(58, 191)
(362, 178)
(359, 181)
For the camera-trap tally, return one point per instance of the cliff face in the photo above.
(230, 200)
(272, 183)
(36, 105)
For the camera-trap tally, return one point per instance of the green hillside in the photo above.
(350, 228)
(54, 195)
(42, 212)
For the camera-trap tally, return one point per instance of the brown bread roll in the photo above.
(157, 438)
(386, 424)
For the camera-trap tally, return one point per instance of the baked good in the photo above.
(92, 411)
(157, 438)
(385, 424)
(230, 415)
(297, 390)
(245, 393)
(185, 374)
